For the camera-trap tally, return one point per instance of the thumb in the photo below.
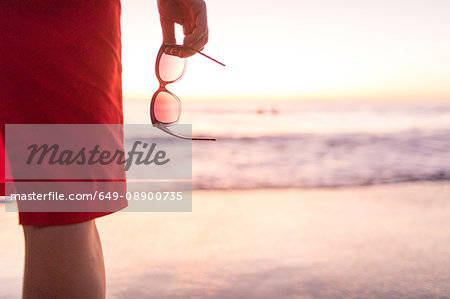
(168, 31)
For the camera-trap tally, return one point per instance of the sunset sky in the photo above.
(295, 49)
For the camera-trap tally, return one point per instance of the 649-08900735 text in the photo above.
(57, 196)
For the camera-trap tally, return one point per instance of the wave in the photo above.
(332, 160)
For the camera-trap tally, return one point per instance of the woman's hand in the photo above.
(191, 14)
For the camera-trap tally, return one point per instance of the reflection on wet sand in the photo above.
(385, 241)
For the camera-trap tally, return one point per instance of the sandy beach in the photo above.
(386, 241)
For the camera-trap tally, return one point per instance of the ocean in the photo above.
(305, 144)
(387, 241)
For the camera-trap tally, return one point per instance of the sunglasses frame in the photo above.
(162, 88)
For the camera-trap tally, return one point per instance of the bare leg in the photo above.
(64, 261)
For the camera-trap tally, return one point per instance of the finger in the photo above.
(196, 46)
(186, 53)
(198, 39)
(170, 14)
(179, 51)
(188, 25)
(200, 14)
(200, 29)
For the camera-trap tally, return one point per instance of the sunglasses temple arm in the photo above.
(168, 131)
(222, 64)
(190, 48)
(203, 139)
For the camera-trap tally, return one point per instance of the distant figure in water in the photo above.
(61, 64)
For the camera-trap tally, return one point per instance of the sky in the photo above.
(301, 50)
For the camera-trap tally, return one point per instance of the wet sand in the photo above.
(386, 241)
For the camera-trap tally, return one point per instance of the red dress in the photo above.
(60, 63)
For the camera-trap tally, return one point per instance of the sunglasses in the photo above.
(165, 107)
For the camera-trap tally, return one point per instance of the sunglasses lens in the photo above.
(171, 68)
(167, 108)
